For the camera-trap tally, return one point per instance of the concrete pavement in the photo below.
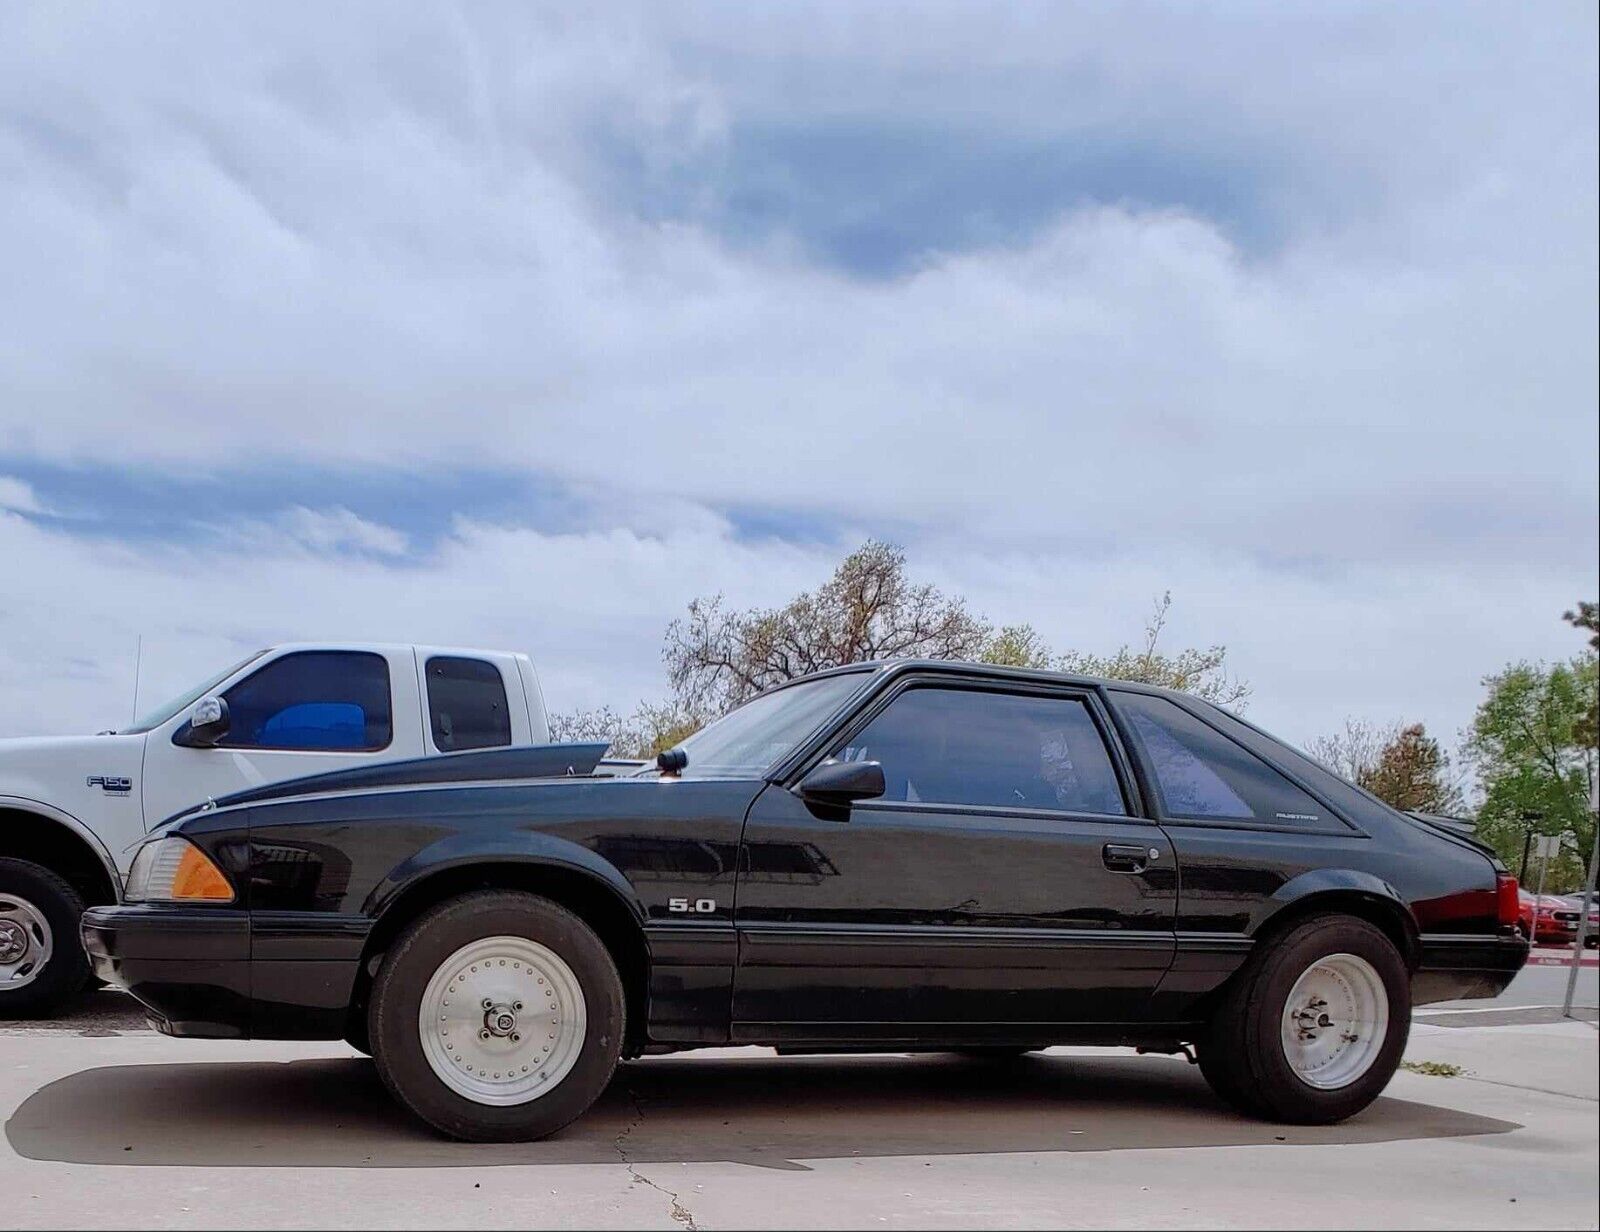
(130, 1128)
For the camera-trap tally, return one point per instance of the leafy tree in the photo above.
(1018, 646)
(1400, 764)
(1412, 774)
(1588, 617)
(1525, 743)
(1202, 672)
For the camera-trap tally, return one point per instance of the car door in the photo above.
(298, 713)
(1004, 877)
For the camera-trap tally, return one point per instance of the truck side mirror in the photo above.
(208, 723)
(842, 782)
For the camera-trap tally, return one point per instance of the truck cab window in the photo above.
(466, 704)
(313, 700)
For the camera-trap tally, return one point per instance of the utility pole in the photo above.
(1530, 818)
(1583, 913)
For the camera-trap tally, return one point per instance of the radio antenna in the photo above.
(138, 659)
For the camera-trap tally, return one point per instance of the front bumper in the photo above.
(211, 972)
(189, 966)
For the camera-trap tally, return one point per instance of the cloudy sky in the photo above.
(490, 325)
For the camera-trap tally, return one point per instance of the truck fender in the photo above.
(22, 804)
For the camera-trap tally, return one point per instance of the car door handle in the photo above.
(1127, 857)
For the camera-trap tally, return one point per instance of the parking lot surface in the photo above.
(110, 1125)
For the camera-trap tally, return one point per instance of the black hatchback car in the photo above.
(899, 856)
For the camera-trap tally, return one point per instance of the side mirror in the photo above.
(841, 782)
(208, 723)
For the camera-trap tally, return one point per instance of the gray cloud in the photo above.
(302, 238)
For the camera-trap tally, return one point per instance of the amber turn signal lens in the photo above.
(198, 878)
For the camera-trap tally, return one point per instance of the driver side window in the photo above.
(313, 701)
(992, 750)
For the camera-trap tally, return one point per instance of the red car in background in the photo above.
(1591, 936)
(1554, 921)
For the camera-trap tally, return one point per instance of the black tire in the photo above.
(356, 1036)
(66, 972)
(1242, 1055)
(421, 950)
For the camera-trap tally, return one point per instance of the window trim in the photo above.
(223, 746)
(1132, 797)
(1343, 827)
(427, 701)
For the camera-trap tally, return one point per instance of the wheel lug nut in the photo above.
(483, 1034)
(516, 1005)
(515, 1038)
(488, 1004)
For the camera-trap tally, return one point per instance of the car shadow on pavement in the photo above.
(761, 1110)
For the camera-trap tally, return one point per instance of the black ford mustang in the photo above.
(888, 856)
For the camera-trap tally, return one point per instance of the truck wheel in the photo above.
(1312, 1029)
(42, 963)
(497, 1017)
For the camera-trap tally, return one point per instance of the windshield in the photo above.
(158, 716)
(748, 741)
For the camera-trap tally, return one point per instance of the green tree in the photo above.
(1587, 617)
(1413, 774)
(1525, 743)
(1400, 764)
(1200, 671)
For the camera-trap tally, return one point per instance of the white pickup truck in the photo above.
(71, 807)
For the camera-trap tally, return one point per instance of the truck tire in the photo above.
(1312, 1029)
(42, 963)
(497, 1017)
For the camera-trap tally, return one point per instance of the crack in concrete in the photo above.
(681, 1215)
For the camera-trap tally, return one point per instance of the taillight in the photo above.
(1507, 909)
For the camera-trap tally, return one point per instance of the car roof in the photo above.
(970, 669)
(390, 648)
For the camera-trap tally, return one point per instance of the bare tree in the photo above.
(868, 609)
(642, 734)
(1202, 672)
(1354, 752)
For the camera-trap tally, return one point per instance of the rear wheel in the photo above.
(42, 963)
(497, 1017)
(1311, 1031)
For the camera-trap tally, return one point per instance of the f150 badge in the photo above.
(114, 784)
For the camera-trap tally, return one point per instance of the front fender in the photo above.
(1329, 881)
(522, 848)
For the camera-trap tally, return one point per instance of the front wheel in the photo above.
(42, 963)
(1311, 1031)
(497, 1017)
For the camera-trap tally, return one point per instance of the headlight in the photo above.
(174, 870)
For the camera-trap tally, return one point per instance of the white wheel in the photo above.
(26, 942)
(502, 1020)
(1335, 1021)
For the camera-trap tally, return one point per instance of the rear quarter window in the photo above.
(1202, 775)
